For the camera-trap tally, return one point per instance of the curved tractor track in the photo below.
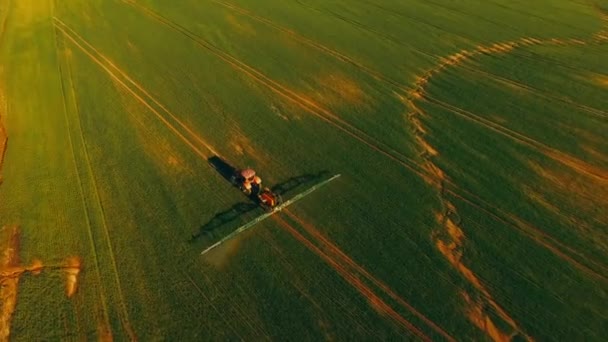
(450, 240)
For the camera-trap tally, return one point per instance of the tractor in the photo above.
(251, 185)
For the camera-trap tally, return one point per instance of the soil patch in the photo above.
(71, 269)
(9, 279)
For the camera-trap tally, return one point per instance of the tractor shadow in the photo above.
(222, 218)
(222, 167)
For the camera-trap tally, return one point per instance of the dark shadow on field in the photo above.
(295, 182)
(236, 211)
(222, 167)
(224, 217)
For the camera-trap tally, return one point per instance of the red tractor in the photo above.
(251, 185)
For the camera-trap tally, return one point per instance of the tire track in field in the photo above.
(602, 36)
(374, 300)
(369, 29)
(236, 312)
(558, 156)
(541, 238)
(124, 315)
(314, 44)
(103, 300)
(443, 8)
(138, 86)
(114, 77)
(298, 280)
(202, 293)
(334, 251)
(450, 239)
(540, 93)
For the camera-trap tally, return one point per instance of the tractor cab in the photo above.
(247, 181)
(251, 185)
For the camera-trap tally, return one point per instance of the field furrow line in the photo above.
(491, 284)
(124, 314)
(548, 151)
(536, 57)
(540, 237)
(236, 305)
(202, 293)
(602, 36)
(448, 9)
(540, 93)
(85, 208)
(139, 98)
(527, 13)
(370, 30)
(139, 87)
(374, 300)
(346, 259)
(298, 279)
(314, 44)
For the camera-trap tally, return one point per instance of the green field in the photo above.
(471, 138)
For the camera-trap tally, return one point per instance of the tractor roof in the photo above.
(248, 173)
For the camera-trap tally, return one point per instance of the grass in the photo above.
(114, 107)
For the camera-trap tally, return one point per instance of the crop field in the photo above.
(471, 140)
